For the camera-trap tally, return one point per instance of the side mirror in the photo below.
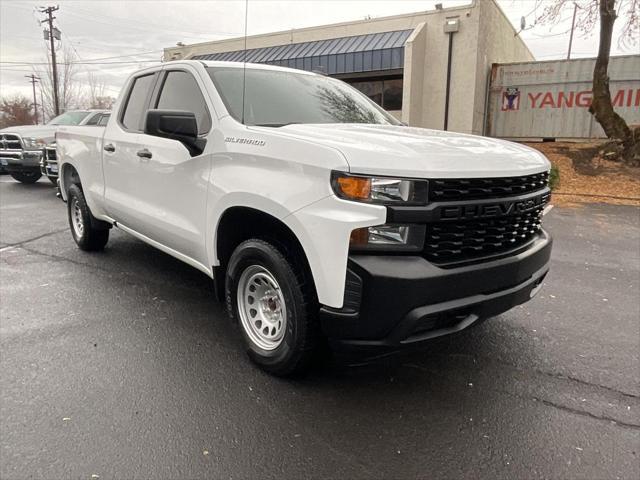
(176, 125)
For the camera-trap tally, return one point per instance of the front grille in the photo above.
(458, 189)
(461, 241)
(10, 141)
(50, 154)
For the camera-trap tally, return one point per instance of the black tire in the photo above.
(300, 340)
(88, 237)
(26, 177)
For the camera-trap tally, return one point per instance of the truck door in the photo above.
(172, 186)
(121, 164)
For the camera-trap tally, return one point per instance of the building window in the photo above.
(392, 94)
(387, 93)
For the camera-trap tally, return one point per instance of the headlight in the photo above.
(389, 237)
(379, 190)
(33, 143)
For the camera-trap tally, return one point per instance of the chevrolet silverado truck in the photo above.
(318, 216)
(23, 148)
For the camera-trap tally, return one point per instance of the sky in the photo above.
(109, 38)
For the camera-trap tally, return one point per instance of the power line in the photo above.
(109, 48)
(88, 60)
(154, 25)
(73, 48)
(121, 56)
(82, 63)
(140, 28)
(91, 16)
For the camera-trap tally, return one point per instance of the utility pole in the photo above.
(33, 82)
(54, 67)
(573, 26)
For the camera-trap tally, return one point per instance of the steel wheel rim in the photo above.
(76, 218)
(261, 307)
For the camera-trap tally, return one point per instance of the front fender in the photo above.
(323, 229)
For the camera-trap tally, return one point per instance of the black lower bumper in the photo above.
(21, 169)
(24, 162)
(396, 301)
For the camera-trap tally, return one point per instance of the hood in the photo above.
(421, 153)
(45, 132)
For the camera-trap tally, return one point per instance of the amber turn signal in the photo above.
(359, 237)
(355, 187)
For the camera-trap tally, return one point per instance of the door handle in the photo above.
(144, 153)
(109, 148)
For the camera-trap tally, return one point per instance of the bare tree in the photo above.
(96, 96)
(590, 12)
(70, 93)
(95, 90)
(16, 110)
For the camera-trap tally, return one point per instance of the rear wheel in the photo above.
(274, 308)
(26, 177)
(89, 234)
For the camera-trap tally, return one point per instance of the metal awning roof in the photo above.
(360, 53)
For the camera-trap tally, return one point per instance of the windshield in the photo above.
(69, 118)
(275, 98)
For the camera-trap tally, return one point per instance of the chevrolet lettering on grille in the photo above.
(494, 209)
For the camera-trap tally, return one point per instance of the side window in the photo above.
(181, 92)
(104, 119)
(136, 103)
(94, 119)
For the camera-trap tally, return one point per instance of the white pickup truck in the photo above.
(316, 213)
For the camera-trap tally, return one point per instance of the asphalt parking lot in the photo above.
(122, 365)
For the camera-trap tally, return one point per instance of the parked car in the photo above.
(21, 147)
(316, 213)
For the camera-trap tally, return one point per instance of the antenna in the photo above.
(244, 63)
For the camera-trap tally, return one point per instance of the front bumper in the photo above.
(49, 163)
(397, 301)
(21, 161)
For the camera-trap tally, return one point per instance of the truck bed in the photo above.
(84, 146)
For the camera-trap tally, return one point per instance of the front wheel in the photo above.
(26, 177)
(82, 223)
(267, 296)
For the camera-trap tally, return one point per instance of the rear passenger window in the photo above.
(136, 103)
(181, 92)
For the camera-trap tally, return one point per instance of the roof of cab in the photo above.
(255, 66)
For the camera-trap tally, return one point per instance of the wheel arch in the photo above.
(68, 176)
(239, 223)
